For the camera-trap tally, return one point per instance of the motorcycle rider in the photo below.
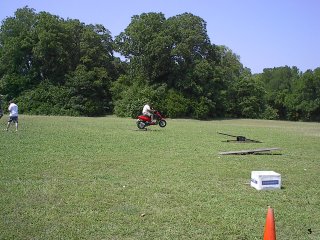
(148, 111)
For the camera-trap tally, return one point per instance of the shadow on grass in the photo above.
(235, 141)
(251, 153)
(147, 129)
(265, 154)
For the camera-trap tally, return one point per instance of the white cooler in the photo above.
(265, 180)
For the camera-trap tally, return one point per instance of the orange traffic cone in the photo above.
(270, 227)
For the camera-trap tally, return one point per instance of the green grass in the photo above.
(101, 178)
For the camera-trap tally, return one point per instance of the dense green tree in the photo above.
(16, 60)
(189, 47)
(146, 46)
(55, 66)
(173, 53)
(278, 83)
(46, 99)
(131, 101)
(89, 91)
(39, 49)
(304, 101)
(49, 54)
(228, 70)
(176, 105)
(246, 97)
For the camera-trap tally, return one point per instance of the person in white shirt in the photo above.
(148, 111)
(13, 116)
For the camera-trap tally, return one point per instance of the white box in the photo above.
(265, 180)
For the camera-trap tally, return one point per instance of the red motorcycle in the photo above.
(145, 121)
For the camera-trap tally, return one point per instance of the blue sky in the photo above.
(264, 33)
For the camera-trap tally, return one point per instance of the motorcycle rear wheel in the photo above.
(141, 124)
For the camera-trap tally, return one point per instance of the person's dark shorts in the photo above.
(13, 119)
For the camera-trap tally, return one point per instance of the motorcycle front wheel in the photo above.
(162, 123)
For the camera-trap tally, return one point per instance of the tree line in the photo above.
(56, 66)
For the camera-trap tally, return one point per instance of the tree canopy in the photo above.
(56, 66)
(51, 65)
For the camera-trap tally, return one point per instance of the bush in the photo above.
(270, 113)
(176, 104)
(132, 101)
(201, 109)
(46, 99)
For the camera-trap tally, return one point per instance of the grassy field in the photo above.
(101, 178)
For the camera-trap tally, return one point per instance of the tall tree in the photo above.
(40, 51)
(146, 46)
(190, 46)
(173, 53)
(227, 71)
(278, 83)
(16, 58)
(246, 97)
(304, 101)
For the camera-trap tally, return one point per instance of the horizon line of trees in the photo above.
(56, 66)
